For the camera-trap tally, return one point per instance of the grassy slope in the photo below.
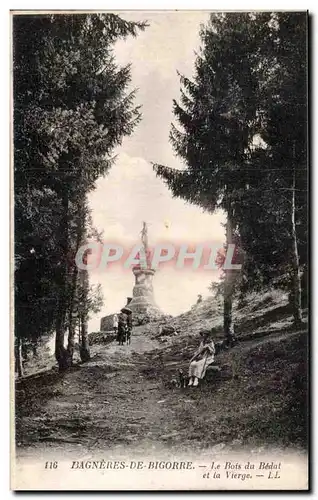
(124, 397)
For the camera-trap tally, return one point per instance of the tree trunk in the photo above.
(24, 352)
(34, 349)
(74, 289)
(79, 330)
(295, 261)
(61, 354)
(18, 357)
(228, 282)
(84, 347)
(73, 315)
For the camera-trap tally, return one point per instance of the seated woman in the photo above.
(202, 358)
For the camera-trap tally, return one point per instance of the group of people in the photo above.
(201, 359)
(122, 324)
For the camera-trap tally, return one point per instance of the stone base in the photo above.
(146, 309)
(143, 302)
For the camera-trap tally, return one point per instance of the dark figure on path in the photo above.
(129, 327)
(122, 327)
(199, 299)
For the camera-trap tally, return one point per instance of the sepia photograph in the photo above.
(159, 250)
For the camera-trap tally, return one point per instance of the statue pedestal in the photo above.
(143, 302)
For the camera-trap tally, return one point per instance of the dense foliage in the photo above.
(71, 108)
(242, 136)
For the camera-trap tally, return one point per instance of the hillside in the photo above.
(125, 397)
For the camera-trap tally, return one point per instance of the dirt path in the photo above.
(122, 400)
(106, 403)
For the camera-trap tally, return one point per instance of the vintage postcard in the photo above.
(159, 250)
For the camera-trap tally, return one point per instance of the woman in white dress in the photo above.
(202, 358)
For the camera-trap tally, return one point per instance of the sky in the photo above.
(131, 193)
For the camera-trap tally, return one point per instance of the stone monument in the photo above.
(143, 304)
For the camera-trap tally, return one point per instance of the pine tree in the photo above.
(286, 136)
(241, 116)
(277, 239)
(71, 109)
(218, 118)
